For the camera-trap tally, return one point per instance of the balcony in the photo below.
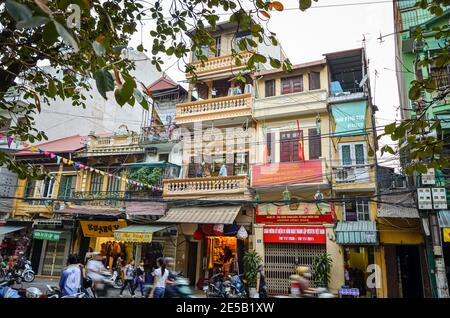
(220, 64)
(100, 198)
(204, 186)
(309, 102)
(116, 144)
(354, 178)
(228, 107)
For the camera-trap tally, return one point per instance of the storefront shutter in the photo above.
(315, 144)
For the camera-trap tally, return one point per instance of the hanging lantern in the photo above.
(242, 233)
(218, 229)
(198, 235)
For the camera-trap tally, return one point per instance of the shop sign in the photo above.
(446, 234)
(133, 237)
(350, 118)
(101, 228)
(309, 171)
(46, 235)
(294, 218)
(295, 234)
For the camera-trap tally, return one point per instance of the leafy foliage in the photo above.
(147, 175)
(251, 262)
(321, 269)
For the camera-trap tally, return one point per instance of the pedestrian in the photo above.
(139, 278)
(70, 282)
(150, 278)
(170, 291)
(95, 269)
(128, 278)
(261, 284)
(159, 283)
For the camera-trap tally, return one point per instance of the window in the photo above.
(356, 210)
(66, 186)
(289, 146)
(441, 77)
(292, 84)
(315, 144)
(96, 183)
(5, 123)
(353, 154)
(114, 184)
(47, 187)
(270, 88)
(218, 40)
(314, 80)
(240, 164)
(270, 148)
(29, 189)
(240, 36)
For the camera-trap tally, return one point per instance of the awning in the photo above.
(137, 233)
(397, 206)
(359, 232)
(9, 229)
(444, 218)
(46, 235)
(202, 215)
(89, 211)
(145, 208)
(445, 120)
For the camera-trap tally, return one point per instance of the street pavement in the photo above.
(42, 282)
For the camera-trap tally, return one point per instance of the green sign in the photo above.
(350, 118)
(46, 235)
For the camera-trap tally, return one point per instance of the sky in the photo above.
(306, 36)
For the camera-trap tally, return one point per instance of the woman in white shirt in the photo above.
(159, 283)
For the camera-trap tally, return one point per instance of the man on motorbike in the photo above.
(95, 269)
(70, 282)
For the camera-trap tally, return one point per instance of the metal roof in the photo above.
(202, 215)
(9, 229)
(444, 218)
(359, 232)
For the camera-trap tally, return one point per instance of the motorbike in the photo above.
(102, 286)
(237, 288)
(215, 288)
(116, 278)
(55, 292)
(21, 271)
(179, 288)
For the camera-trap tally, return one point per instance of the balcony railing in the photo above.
(100, 198)
(219, 64)
(215, 108)
(201, 186)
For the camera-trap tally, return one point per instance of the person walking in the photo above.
(70, 281)
(159, 283)
(128, 273)
(139, 278)
(261, 285)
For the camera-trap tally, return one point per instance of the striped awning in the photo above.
(444, 218)
(202, 215)
(359, 232)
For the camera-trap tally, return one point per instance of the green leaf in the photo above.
(49, 34)
(140, 48)
(304, 4)
(99, 49)
(104, 81)
(51, 89)
(144, 104)
(389, 129)
(138, 95)
(414, 92)
(124, 94)
(275, 63)
(66, 36)
(19, 12)
(33, 22)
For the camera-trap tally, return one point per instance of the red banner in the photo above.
(287, 173)
(294, 218)
(295, 234)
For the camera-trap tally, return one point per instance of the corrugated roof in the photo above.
(359, 232)
(145, 208)
(294, 67)
(444, 218)
(202, 215)
(67, 144)
(89, 211)
(397, 206)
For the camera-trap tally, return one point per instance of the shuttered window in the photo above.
(289, 146)
(315, 144)
(270, 88)
(96, 183)
(66, 187)
(29, 189)
(314, 80)
(292, 84)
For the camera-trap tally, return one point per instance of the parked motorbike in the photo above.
(179, 288)
(237, 288)
(215, 288)
(21, 271)
(102, 286)
(55, 292)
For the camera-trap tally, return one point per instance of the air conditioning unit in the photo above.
(344, 175)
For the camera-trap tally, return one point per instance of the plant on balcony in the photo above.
(321, 269)
(148, 175)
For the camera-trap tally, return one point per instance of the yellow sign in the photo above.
(101, 228)
(446, 234)
(133, 237)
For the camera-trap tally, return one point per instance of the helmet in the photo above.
(300, 270)
(33, 292)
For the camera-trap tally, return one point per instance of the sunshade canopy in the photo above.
(202, 215)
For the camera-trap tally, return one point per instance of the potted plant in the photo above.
(321, 269)
(251, 262)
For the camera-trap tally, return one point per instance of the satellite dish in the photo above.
(364, 80)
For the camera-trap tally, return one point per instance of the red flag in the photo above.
(301, 153)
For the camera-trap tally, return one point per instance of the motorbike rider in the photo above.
(170, 288)
(304, 276)
(95, 268)
(70, 282)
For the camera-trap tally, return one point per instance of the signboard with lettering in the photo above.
(46, 235)
(133, 237)
(101, 228)
(350, 118)
(307, 234)
(446, 234)
(302, 213)
(309, 171)
(294, 218)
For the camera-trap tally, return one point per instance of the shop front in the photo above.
(210, 239)
(358, 240)
(149, 242)
(13, 240)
